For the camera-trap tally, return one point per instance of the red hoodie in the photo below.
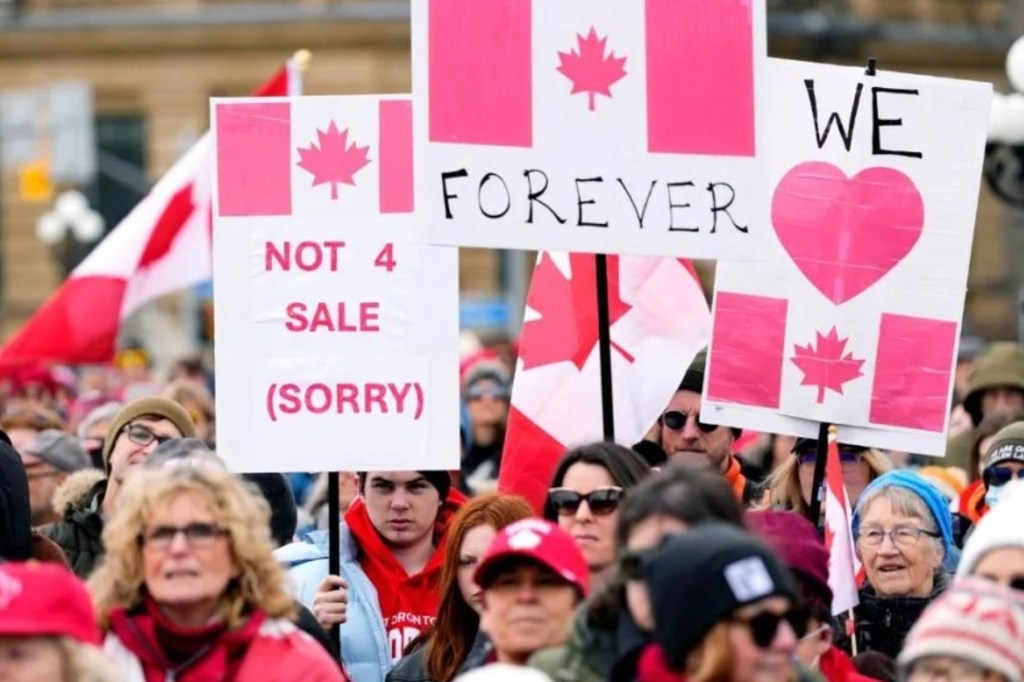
(836, 666)
(408, 603)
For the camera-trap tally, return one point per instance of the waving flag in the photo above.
(659, 321)
(162, 246)
(843, 565)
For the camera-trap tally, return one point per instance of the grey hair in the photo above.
(909, 504)
(104, 413)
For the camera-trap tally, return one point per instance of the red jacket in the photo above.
(408, 603)
(262, 650)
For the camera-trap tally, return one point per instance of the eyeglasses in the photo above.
(478, 392)
(676, 420)
(765, 625)
(945, 668)
(140, 435)
(846, 456)
(904, 537)
(602, 501)
(999, 476)
(196, 535)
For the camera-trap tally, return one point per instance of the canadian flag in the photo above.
(162, 246)
(659, 321)
(843, 565)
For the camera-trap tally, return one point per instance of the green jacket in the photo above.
(79, 531)
(587, 656)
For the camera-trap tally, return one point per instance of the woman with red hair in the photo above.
(454, 644)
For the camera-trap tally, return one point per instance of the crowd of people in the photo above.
(130, 552)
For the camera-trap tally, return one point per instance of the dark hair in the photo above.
(626, 467)
(688, 491)
(277, 491)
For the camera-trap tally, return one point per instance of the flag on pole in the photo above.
(843, 565)
(659, 321)
(161, 247)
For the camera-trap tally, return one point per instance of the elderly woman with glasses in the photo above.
(789, 486)
(189, 589)
(904, 531)
(589, 483)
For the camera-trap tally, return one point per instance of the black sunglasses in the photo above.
(676, 420)
(998, 476)
(765, 626)
(602, 502)
(846, 455)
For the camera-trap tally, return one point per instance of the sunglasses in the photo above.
(601, 502)
(478, 392)
(140, 435)
(765, 625)
(676, 420)
(846, 456)
(998, 476)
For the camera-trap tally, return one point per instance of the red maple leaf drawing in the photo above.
(567, 328)
(588, 69)
(824, 364)
(335, 160)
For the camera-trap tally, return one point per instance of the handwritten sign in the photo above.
(595, 126)
(335, 328)
(854, 319)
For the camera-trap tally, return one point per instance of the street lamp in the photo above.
(70, 225)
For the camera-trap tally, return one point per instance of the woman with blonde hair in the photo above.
(725, 609)
(454, 644)
(189, 589)
(789, 486)
(48, 627)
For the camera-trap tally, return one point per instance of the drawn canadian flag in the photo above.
(659, 321)
(162, 246)
(293, 158)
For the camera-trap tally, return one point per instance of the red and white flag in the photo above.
(659, 321)
(843, 565)
(162, 246)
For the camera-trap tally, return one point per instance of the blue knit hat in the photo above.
(933, 499)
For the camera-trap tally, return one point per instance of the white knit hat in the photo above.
(1000, 527)
(505, 672)
(976, 621)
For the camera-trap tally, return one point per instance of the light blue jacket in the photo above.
(364, 642)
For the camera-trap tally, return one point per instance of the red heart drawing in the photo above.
(843, 233)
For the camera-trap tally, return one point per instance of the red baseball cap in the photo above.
(542, 541)
(45, 599)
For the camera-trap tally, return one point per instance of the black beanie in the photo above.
(440, 479)
(693, 380)
(284, 518)
(698, 578)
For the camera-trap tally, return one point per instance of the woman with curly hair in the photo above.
(189, 589)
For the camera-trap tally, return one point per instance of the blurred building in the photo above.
(153, 64)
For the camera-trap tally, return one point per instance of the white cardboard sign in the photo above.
(854, 319)
(335, 328)
(591, 125)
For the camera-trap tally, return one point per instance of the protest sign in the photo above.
(854, 319)
(335, 329)
(596, 126)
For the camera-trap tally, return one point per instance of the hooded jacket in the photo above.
(79, 531)
(368, 647)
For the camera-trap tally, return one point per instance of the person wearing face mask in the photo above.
(995, 550)
(1004, 462)
(726, 609)
(797, 542)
